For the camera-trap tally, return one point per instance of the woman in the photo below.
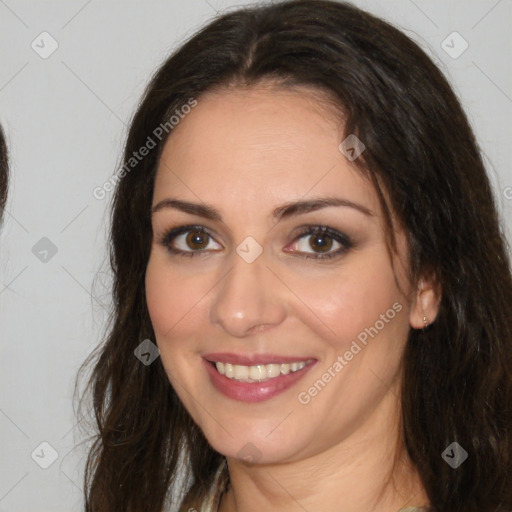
(304, 228)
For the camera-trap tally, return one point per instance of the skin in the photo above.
(246, 152)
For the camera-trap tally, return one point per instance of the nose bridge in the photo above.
(247, 296)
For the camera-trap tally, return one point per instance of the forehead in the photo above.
(260, 146)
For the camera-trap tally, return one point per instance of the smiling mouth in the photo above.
(259, 372)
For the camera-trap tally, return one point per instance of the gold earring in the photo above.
(425, 321)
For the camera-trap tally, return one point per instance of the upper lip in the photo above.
(253, 359)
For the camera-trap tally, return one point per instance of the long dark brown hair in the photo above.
(4, 172)
(422, 157)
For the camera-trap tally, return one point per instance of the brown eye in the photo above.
(318, 242)
(188, 241)
(321, 242)
(197, 240)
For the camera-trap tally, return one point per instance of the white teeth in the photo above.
(273, 370)
(257, 373)
(228, 370)
(240, 372)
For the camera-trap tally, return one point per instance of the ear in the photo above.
(425, 304)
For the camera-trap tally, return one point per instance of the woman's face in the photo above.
(253, 288)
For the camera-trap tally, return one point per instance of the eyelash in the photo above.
(341, 238)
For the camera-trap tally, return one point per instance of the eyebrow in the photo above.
(290, 209)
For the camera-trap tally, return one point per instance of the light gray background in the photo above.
(65, 118)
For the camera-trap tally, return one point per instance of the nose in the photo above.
(250, 298)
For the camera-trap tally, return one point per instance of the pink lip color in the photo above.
(254, 391)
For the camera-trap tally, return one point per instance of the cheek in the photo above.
(173, 311)
(352, 299)
(161, 302)
(172, 299)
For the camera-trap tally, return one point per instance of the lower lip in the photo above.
(254, 391)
